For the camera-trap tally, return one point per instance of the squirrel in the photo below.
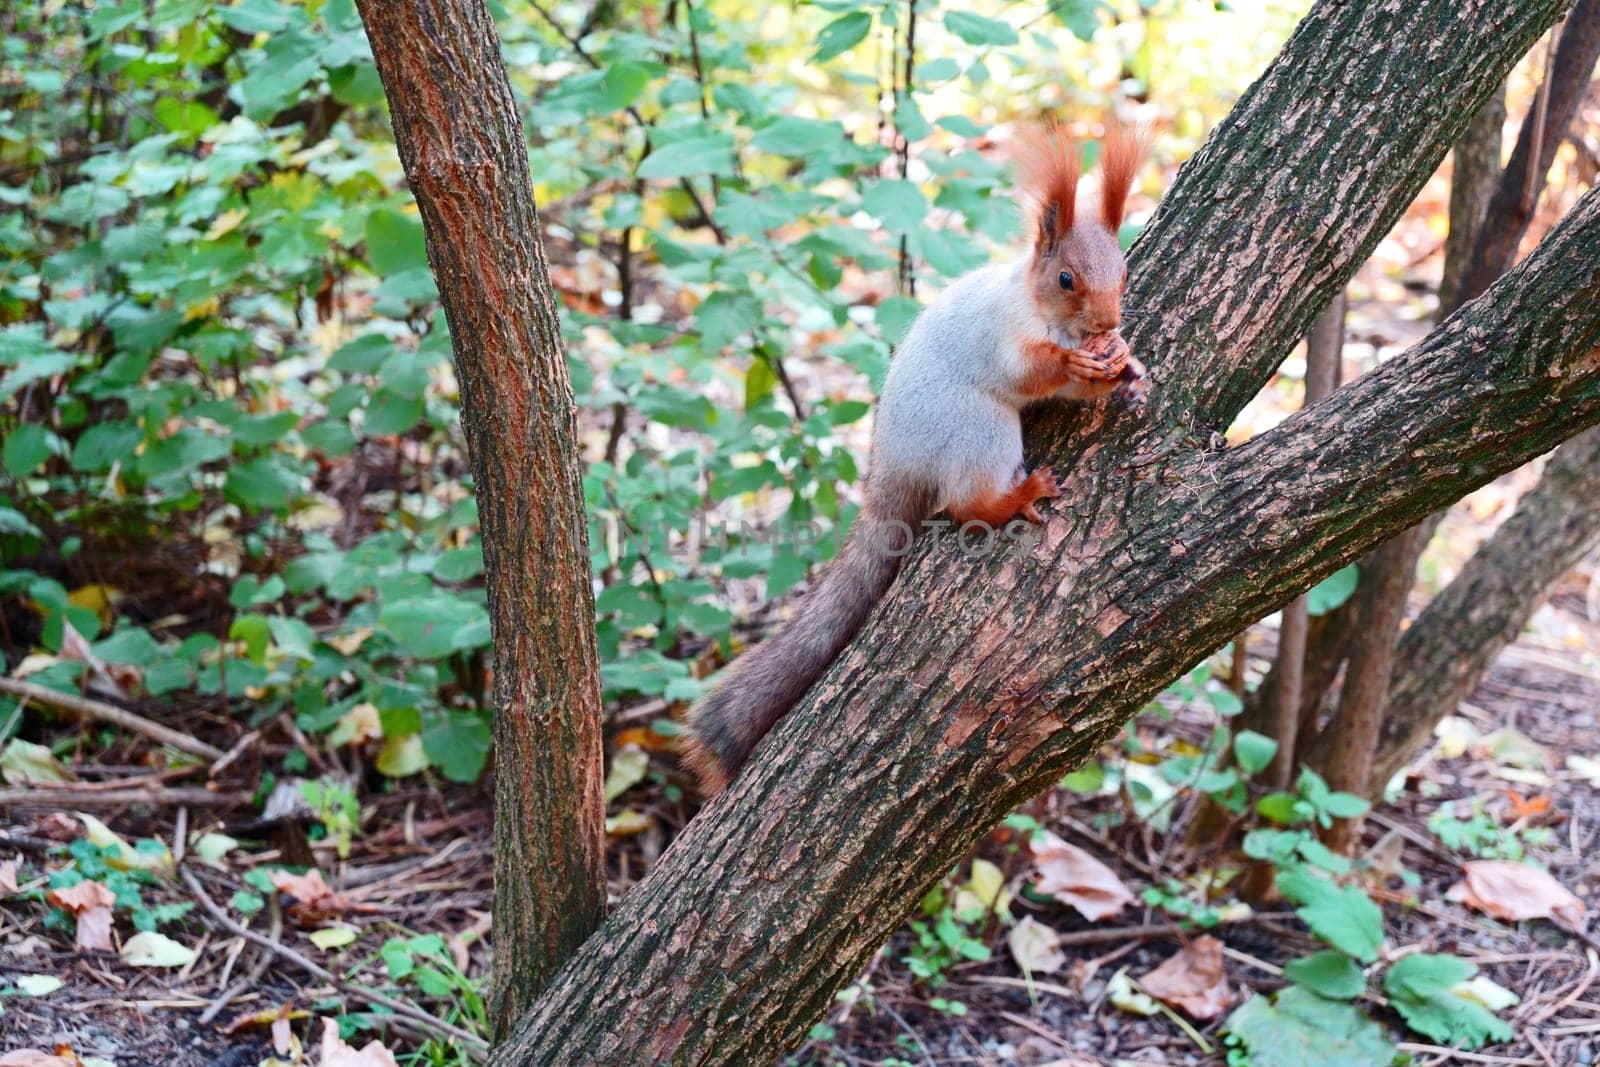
(947, 434)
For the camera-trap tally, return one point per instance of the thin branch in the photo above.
(102, 712)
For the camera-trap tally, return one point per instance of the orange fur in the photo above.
(995, 511)
(1048, 169)
(1121, 154)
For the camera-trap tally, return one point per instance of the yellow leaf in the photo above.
(23, 762)
(95, 597)
(628, 823)
(333, 937)
(629, 764)
(203, 309)
(150, 949)
(123, 855)
(349, 644)
(402, 756)
(226, 222)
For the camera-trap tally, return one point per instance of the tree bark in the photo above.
(462, 146)
(1511, 211)
(977, 682)
(1444, 655)
(1475, 174)
(1346, 748)
(1493, 210)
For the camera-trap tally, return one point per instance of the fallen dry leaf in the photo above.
(335, 1053)
(1069, 874)
(8, 877)
(314, 899)
(1192, 980)
(90, 904)
(1527, 807)
(282, 1035)
(27, 1057)
(1036, 947)
(1516, 891)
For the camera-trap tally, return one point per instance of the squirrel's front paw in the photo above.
(1134, 384)
(1108, 355)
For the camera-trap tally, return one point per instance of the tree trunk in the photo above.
(1324, 367)
(465, 157)
(1511, 211)
(978, 682)
(1475, 173)
(1444, 655)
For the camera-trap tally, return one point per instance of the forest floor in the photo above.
(426, 871)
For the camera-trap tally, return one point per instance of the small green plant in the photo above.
(338, 809)
(1477, 833)
(91, 862)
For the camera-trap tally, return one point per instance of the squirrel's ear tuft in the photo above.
(1047, 166)
(1121, 154)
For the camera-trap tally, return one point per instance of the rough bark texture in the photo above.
(1491, 209)
(1445, 653)
(464, 154)
(977, 682)
(1542, 132)
(1344, 751)
(1475, 174)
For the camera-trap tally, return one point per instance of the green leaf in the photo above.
(797, 137)
(705, 152)
(1344, 805)
(1082, 17)
(1297, 1028)
(458, 743)
(896, 203)
(435, 626)
(262, 484)
(391, 413)
(1420, 988)
(1333, 590)
(1328, 974)
(1343, 916)
(290, 60)
(724, 315)
(26, 447)
(1253, 752)
(841, 35)
(975, 29)
(394, 245)
(894, 317)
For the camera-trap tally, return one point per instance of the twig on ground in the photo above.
(55, 797)
(910, 1032)
(103, 712)
(410, 1012)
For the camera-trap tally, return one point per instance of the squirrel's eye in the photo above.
(1066, 280)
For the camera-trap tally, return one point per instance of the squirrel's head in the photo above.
(1077, 273)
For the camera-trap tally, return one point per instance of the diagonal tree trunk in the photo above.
(462, 146)
(979, 681)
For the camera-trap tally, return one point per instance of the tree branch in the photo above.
(1290, 207)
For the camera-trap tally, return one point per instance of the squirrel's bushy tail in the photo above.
(770, 679)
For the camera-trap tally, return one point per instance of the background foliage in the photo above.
(231, 459)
